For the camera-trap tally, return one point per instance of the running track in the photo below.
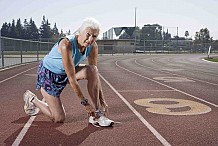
(159, 100)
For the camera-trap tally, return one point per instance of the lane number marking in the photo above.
(173, 79)
(170, 106)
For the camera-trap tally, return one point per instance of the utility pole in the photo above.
(135, 17)
(177, 41)
(135, 29)
(0, 45)
(1, 51)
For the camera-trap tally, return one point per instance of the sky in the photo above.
(187, 15)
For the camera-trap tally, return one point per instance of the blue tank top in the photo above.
(53, 61)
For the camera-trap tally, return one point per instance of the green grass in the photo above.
(212, 59)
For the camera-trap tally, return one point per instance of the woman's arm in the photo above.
(93, 57)
(65, 48)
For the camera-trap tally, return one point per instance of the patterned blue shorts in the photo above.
(52, 83)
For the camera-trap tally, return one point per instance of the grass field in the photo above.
(213, 59)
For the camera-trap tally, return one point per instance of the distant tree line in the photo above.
(203, 36)
(150, 34)
(155, 32)
(29, 30)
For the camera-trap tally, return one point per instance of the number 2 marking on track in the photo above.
(173, 79)
(170, 106)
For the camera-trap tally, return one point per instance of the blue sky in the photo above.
(191, 15)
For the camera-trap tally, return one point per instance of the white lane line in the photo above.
(23, 131)
(176, 74)
(10, 67)
(154, 131)
(16, 75)
(168, 86)
(31, 119)
(146, 90)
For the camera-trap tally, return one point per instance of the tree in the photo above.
(29, 30)
(26, 33)
(33, 30)
(12, 30)
(166, 35)
(62, 33)
(5, 30)
(19, 29)
(203, 36)
(55, 33)
(186, 34)
(45, 29)
(151, 32)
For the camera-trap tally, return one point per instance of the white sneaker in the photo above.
(29, 107)
(104, 121)
(92, 120)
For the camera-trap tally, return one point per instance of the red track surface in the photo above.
(125, 79)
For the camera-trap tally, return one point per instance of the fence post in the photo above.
(2, 50)
(37, 51)
(48, 44)
(0, 45)
(144, 46)
(124, 48)
(40, 44)
(101, 50)
(21, 52)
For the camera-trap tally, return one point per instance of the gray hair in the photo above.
(90, 23)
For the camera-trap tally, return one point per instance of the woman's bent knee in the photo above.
(59, 119)
(92, 70)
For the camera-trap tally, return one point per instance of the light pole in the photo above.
(135, 29)
(0, 45)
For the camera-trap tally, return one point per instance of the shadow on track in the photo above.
(45, 133)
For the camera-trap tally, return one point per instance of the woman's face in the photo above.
(87, 37)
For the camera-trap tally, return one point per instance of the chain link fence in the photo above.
(154, 47)
(173, 46)
(18, 51)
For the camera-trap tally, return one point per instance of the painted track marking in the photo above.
(16, 75)
(148, 125)
(145, 90)
(23, 131)
(165, 106)
(176, 74)
(167, 86)
(31, 119)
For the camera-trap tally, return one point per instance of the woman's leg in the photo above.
(52, 108)
(90, 72)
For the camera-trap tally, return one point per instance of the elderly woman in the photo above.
(63, 65)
